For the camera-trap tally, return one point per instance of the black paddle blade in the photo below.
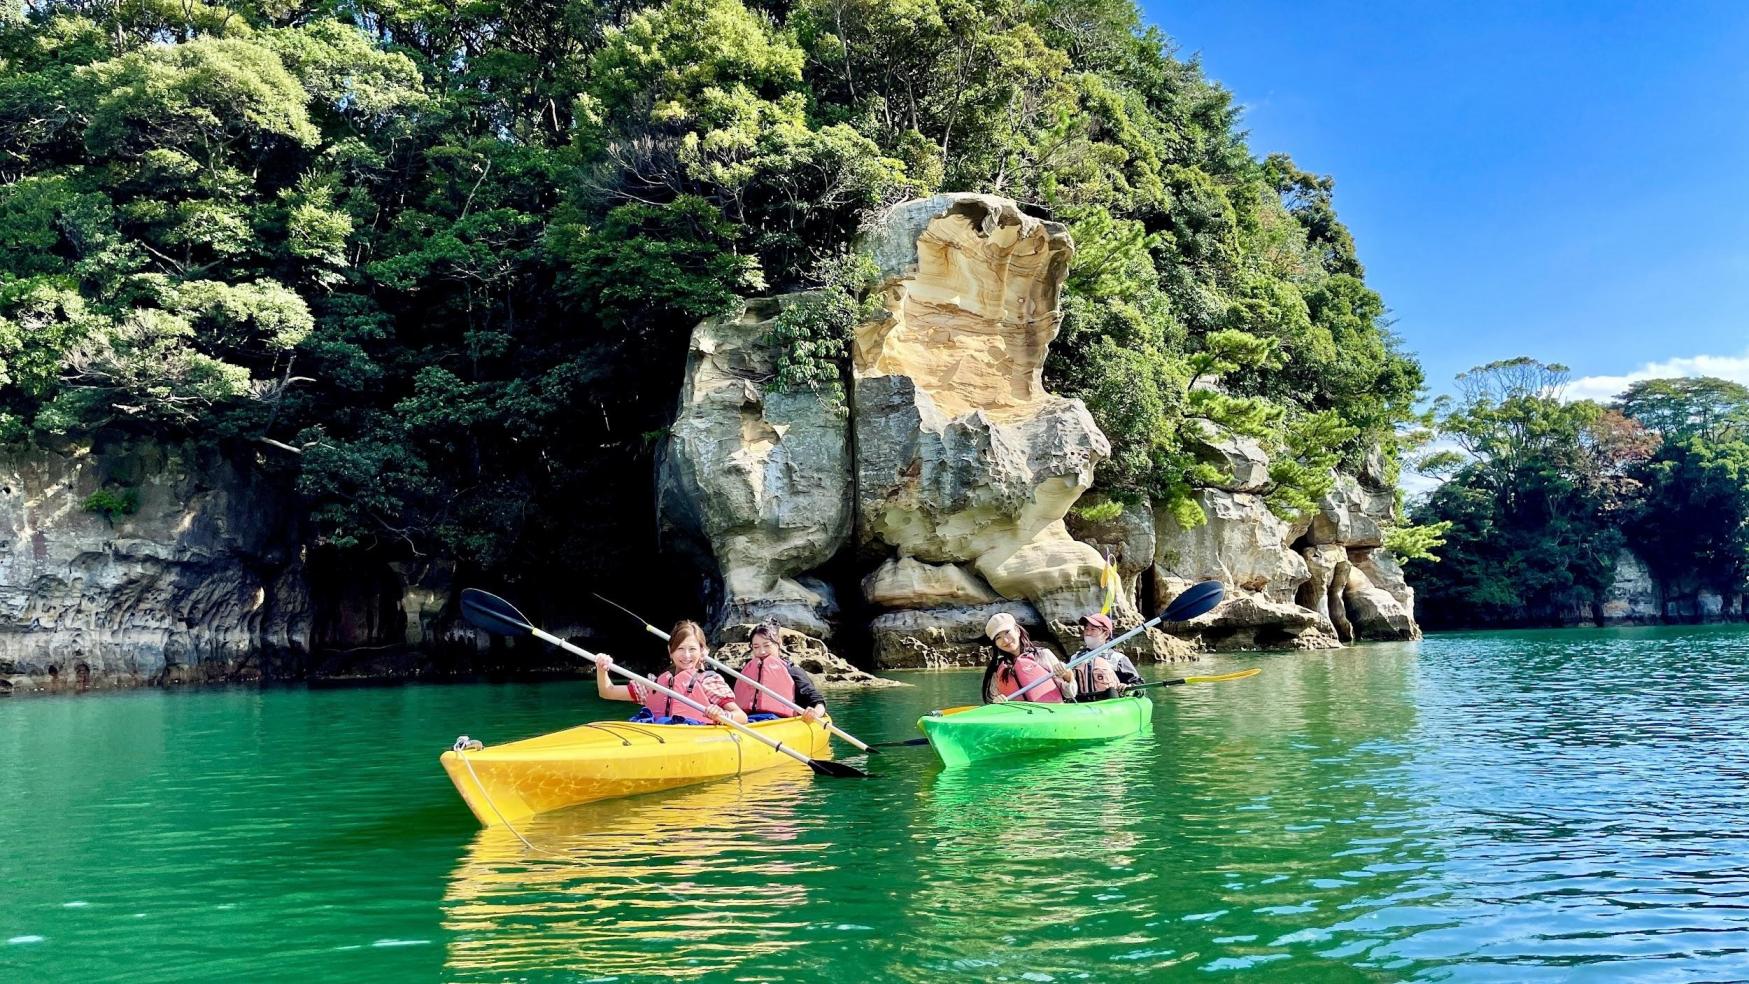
(1198, 599)
(490, 613)
(837, 770)
(899, 744)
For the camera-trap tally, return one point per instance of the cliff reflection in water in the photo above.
(692, 882)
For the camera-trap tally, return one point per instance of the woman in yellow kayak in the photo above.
(686, 675)
(769, 665)
(1019, 661)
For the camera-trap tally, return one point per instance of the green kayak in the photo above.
(963, 735)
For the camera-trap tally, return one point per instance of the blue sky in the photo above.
(1563, 180)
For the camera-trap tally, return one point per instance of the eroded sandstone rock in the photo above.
(813, 655)
(1240, 458)
(1376, 615)
(1323, 591)
(905, 582)
(962, 457)
(755, 484)
(1241, 543)
(1632, 598)
(938, 638)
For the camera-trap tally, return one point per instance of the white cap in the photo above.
(999, 623)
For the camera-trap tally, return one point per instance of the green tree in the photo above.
(1706, 407)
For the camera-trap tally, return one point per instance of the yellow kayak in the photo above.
(506, 783)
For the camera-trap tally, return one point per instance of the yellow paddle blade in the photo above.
(1110, 581)
(1222, 678)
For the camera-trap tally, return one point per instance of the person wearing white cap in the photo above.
(1018, 661)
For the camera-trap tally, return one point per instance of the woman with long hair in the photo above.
(1018, 661)
(686, 674)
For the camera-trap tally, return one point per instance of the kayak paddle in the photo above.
(1191, 602)
(762, 688)
(1239, 675)
(493, 614)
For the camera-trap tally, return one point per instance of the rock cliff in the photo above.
(948, 484)
(131, 564)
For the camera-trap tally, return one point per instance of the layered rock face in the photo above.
(963, 460)
(755, 484)
(195, 573)
(950, 480)
(1316, 584)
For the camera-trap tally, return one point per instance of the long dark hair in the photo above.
(1002, 659)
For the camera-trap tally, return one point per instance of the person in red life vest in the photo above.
(1108, 674)
(686, 675)
(771, 667)
(1018, 661)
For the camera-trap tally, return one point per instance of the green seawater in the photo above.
(1559, 806)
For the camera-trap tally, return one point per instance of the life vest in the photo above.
(773, 672)
(1096, 675)
(661, 705)
(1026, 669)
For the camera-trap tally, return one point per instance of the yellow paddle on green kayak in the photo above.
(1218, 678)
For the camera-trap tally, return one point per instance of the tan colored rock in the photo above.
(906, 582)
(1128, 539)
(962, 457)
(1246, 622)
(1241, 544)
(971, 300)
(945, 637)
(1632, 598)
(1381, 568)
(812, 655)
(755, 484)
(1349, 515)
(1322, 592)
(1374, 613)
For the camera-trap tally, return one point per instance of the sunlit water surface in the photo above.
(1500, 807)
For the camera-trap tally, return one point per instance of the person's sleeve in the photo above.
(1126, 670)
(1069, 690)
(717, 689)
(807, 695)
(639, 694)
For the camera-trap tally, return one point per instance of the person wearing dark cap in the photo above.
(1108, 674)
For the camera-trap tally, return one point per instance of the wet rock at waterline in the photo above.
(812, 655)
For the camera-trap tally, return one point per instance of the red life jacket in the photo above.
(662, 705)
(1025, 670)
(773, 672)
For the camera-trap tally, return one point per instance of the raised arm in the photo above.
(604, 684)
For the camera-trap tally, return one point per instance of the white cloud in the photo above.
(1605, 388)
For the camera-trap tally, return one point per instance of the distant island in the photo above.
(1573, 512)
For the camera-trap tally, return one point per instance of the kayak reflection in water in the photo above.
(686, 652)
(771, 668)
(1110, 673)
(1018, 661)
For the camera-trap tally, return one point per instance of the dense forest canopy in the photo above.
(437, 263)
(1542, 494)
